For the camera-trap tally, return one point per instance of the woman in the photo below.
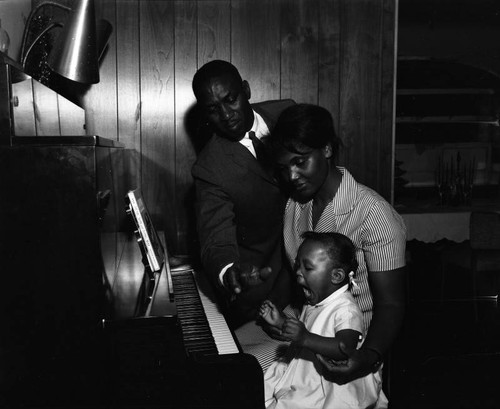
(324, 198)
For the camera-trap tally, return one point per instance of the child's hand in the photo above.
(295, 330)
(271, 314)
(265, 309)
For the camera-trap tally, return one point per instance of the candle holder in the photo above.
(454, 181)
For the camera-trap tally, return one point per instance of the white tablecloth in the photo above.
(432, 227)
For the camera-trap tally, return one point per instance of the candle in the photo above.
(473, 171)
(439, 176)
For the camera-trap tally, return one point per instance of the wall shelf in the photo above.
(445, 91)
(468, 119)
(445, 109)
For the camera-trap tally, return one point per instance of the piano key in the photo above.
(197, 312)
(220, 330)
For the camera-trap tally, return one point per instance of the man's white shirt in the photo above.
(260, 128)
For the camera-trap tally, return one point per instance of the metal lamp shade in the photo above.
(75, 54)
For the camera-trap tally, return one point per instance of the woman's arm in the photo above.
(389, 299)
(389, 295)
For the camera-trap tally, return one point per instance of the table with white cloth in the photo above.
(432, 227)
(429, 223)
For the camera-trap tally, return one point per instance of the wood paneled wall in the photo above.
(336, 53)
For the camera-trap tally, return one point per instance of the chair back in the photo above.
(485, 230)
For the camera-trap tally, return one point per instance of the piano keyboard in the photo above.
(204, 328)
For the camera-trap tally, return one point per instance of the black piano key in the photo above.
(197, 335)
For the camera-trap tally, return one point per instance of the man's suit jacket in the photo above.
(239, 209)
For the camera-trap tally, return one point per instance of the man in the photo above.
(239, 205)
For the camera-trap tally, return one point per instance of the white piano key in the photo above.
(223, 337)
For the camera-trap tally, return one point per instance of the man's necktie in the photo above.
(261, 153)
(260, 150)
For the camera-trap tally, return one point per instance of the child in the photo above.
(330, 325)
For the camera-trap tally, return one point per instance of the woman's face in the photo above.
(304, 173)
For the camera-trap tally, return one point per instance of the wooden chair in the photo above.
(481, 254)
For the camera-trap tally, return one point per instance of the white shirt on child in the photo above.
(295, 381)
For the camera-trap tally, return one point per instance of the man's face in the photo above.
(225, 101)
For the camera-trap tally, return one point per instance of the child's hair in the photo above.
(340, 249)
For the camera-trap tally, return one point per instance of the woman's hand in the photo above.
(360, 363)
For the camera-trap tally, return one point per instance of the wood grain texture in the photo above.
(71, 118)
(214, 31)
(128, 72)
(46, 110)
(126, 283)
(101, 100)
(185, 67)
(329, 58)
(360, 88)
(128, 82)
(23, 112)
(255, 46)
(158, 113)
(299, 54)
(387, 99)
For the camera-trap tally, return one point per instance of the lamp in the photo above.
(74, 55)
(77, 47)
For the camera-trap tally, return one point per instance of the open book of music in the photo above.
(147, 235)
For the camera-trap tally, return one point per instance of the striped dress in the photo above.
(376, 229)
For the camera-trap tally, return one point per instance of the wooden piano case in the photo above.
(57, 196)
(67, 246)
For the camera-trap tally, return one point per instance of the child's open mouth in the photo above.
(307, 293)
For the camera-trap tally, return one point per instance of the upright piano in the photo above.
(84, 323)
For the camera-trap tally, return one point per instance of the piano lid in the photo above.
(66, 140)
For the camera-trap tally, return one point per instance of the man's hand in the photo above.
(240, 277)
(358, 364)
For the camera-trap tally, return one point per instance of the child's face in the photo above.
(313, 268)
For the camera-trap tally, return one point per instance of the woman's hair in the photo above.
(340, 249)
(303, 127)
